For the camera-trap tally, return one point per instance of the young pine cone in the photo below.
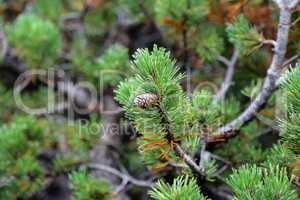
(145, 100)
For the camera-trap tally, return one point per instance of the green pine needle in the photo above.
(183, 188)
(37, 40)
(243, 36)
(250, 182)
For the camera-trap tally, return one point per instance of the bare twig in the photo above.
(189, 161)
(293, 4)
(178, 165)
(296, 183)
(123, 176)
(229, 74)
(216, 157)
(203, 154)
(220, 171)
(122, 186)
(273, 74)
(290, 60)
(271, 42)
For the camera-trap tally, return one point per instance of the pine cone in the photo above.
(145, 100)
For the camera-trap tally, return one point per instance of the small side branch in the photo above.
(291, 60)
(189, 161)
(229, 75)
(270, 42)
(125, 177)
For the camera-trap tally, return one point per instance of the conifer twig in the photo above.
(271, 42)
(273, 73)
(178, 149)
(229, 74)
(188, 160)
(123, 176)
(291, 59)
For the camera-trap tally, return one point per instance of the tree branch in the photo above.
(189, 161)
(271, 42)
(123, 176)
(229, 75)
(269, 85)
(291, 59)
(178, 149)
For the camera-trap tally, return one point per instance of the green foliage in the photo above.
(101, 18)
(183, 188)
(153, 98)
(245, 148)
(38, 98)
(134, 9)
(173, 113)
(20, 143)
(290, 85)
(108, 70)
(82, 59)
(85, 186)
(211, 168)
(48, 9)
(250, 182)
(291, 133)
(212, 115)
(280, 155)
(193, 10)
(243, 36)
(253, 89)
(113, 65)
(207, 112)
(79, 139)
(26, 138)
(202, 99)
(229, 108)
(210, 45)
(6, 102)
(36, 40)
(291, 126)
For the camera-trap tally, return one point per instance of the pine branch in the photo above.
(126, 177)
(291, 59)
(178, 149)
(273, 74)
(283, 4)
(189, 161)
(270, 42)
(229, 74)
